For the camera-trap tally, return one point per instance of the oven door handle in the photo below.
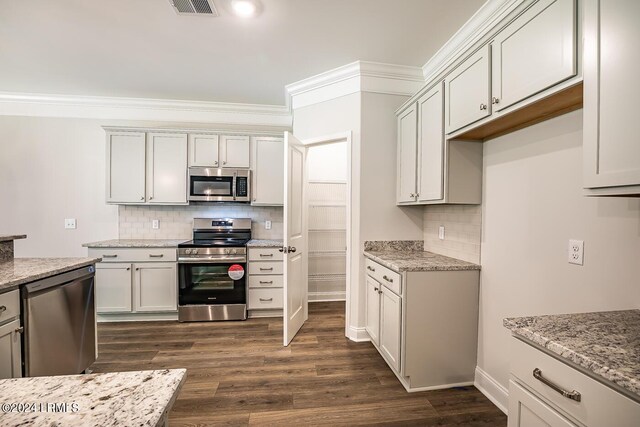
(213, 260)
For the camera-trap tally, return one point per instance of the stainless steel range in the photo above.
(212, 270)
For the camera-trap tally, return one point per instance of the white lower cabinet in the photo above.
(137, 285)
(155, 287)
(404, 319)
(390, 326)
(265, 280)
(538, 399)
(10, 333)
(526, 410)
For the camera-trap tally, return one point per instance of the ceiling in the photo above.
(142, 48)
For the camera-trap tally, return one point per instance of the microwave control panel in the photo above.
(241, 186)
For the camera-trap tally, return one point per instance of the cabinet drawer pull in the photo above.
(3, 308)
(266, 255)
(573, 395)
(266, 299)
(266, 269)
(387, 279)
(109, 256)
(266, 282)
(370, 268)
(156, 256)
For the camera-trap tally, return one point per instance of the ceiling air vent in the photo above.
(194, 7)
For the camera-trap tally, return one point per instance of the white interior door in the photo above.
(295, 239)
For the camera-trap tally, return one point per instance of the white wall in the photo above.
(532, 206)
(327, 162)
(52, 169)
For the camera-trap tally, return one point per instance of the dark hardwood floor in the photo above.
(239, 374)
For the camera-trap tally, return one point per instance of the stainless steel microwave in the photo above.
(219, 185)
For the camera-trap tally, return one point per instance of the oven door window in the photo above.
(212, 186)
(210, 284)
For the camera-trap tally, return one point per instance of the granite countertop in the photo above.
(136, 243)
(400, 261)
(606, 344)
(262, 243)
(15, 272)
(9, 237)
(139, 398)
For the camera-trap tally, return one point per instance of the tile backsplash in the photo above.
(176, 222)
(463, 228)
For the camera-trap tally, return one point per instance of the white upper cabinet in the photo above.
(407, 142)
(535, 52)
(611, 92)
(203, 150)
(467, 91)
(431, 145)
(234, 151)
(167, 168)
(268, 171)
(126, 160)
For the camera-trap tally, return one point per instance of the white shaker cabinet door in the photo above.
(611, 92)
(467, 91)
(526, 410)
(268, 171)
(167, 168)
(234, 151)
(10, 351)
(155, 287)
(203, 150)
(126, 167)
(113, 287)
(431, 145)
(390, 327)
(373, 309)
(407, 142)
(534, 52)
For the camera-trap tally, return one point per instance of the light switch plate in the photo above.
(576, 252)
(70, 223)
(267, 225)
(441, 232)
(155, 224)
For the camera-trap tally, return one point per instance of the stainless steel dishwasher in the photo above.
(59, 322)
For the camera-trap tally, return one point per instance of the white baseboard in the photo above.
(494, 391)
(327, 296)
(136, 317)
(358, 334)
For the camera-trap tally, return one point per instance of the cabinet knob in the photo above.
(412, 195)
(417, 195)
(137, 268)
(3, 308)
(379, 292)
(128, 268)
(224, 162)
(215, 163)
(142, 198)
(375, 289)
(151, 198)
(483, 107)
(495, 100)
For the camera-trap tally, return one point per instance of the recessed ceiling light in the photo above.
(244, 8)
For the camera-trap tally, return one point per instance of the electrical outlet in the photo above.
(576, 252)
(441, 232)
(155, 224)
(70, 223)
(267, 225)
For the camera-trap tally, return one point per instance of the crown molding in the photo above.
(115, 108)
(487, 17)
(359, 76)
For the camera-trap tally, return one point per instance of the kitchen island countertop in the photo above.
(17, 271)
(140, 398)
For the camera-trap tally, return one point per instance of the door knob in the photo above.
(292, 249)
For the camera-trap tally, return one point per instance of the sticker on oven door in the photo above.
(236, 272)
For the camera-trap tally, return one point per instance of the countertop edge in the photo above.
(174, 397)
(11, 237)
(468, 267)
(15, 284)
(265, 243)
(134, 243)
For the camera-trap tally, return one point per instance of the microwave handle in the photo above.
(235, 183)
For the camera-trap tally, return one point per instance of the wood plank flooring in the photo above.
(238, 373)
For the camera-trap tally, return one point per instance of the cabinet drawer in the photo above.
(265, 298)
(134, 254)
(265, 268)
(11, 303)
(597, 402)
(265, 254)
(260, 281)
(384, 275)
